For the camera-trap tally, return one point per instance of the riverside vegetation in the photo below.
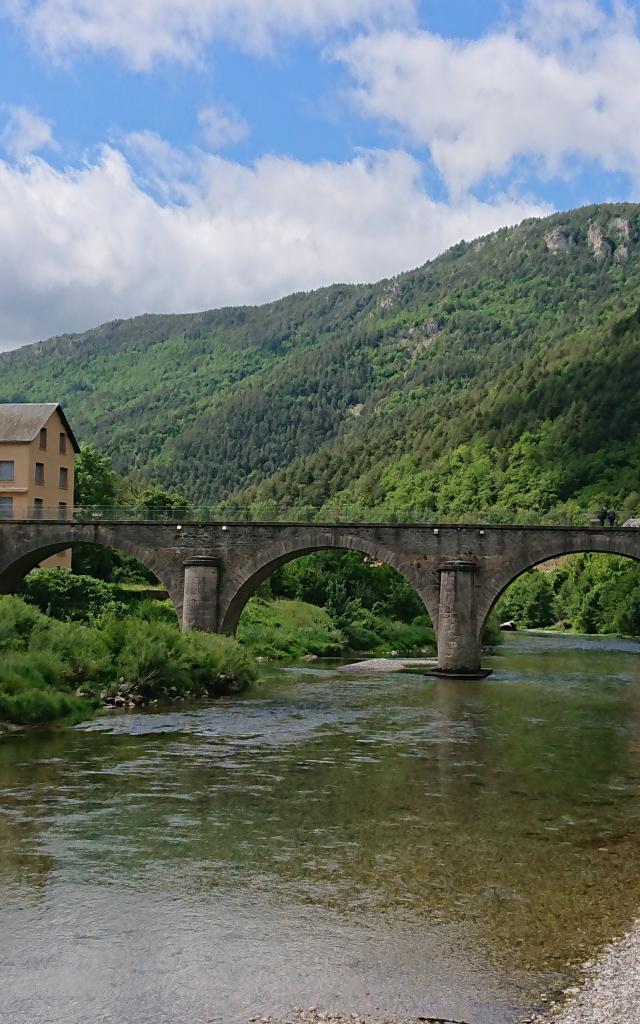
(586, 593)
(63, 670)
(71, 643)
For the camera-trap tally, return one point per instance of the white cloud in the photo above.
(563, 82)
(78, 247)
(553, 23)
(147, 30)
(25, 133)
(222, 126)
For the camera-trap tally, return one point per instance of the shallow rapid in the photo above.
(386, 843)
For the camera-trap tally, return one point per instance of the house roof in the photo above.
(23, 422)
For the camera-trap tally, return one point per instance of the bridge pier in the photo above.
(200, 610)
(459, 645)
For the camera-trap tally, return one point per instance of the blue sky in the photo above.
(182, 154)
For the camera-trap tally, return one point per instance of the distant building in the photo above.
(37, 460)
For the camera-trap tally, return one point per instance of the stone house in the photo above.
(37, 459)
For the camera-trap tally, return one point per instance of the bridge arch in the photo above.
(26, 557)
(619, 543)
(239, 588)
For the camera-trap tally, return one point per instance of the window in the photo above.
(43, 438)
(63, 444)
(7, 470)
(6, 508)
(62, 510)
(63, 482)
(39, 472)
(37, 508)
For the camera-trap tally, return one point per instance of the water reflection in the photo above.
(393, 842)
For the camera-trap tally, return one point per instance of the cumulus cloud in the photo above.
(25, 132)
(553, 23)
(80, 246)
(222, 126)
(147, 30)
(560, 83)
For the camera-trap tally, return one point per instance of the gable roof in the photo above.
(23, 422)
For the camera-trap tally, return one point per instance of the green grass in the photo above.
(288, 629)
(54, 671)
(291, 629)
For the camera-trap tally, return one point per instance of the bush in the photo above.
(82, 652)
(17, 622)
(156, 660)
(211, 660)
(492, 635)
(61, 594)
(39, 707)
(29, 692)
(155, 611)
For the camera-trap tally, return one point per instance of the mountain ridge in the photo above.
(362, 394)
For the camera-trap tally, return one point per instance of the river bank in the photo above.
(610, 993)
(316, 1016)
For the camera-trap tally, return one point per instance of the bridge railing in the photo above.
(301, 514)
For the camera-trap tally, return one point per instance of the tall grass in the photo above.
(288, 629)
(52, 670)
(291, 629)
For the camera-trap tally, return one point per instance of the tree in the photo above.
(529, 601)
(154, 500)
(63, 595)
(96, 482)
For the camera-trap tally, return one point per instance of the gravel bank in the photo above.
(387, 665)
(611, 992)
(315, 1016)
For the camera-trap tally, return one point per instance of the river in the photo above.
(365, 843)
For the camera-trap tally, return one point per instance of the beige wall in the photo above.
(23, 488)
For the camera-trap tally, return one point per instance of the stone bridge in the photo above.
(210, 570)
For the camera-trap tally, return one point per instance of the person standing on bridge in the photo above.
(612, 518)
(602, 516)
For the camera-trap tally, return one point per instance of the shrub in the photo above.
(369, 631)
(17, 622)
(83, 654)
(157, 660)
(492, 636)
(28, 693)
(211, 659)
(39, 707)
(146, 656)
(61, 594)
(155, 611)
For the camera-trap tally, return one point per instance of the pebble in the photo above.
(611, 990)
(316, 1016)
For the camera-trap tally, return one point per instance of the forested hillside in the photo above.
(501, 377)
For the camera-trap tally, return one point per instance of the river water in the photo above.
(361, 842)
